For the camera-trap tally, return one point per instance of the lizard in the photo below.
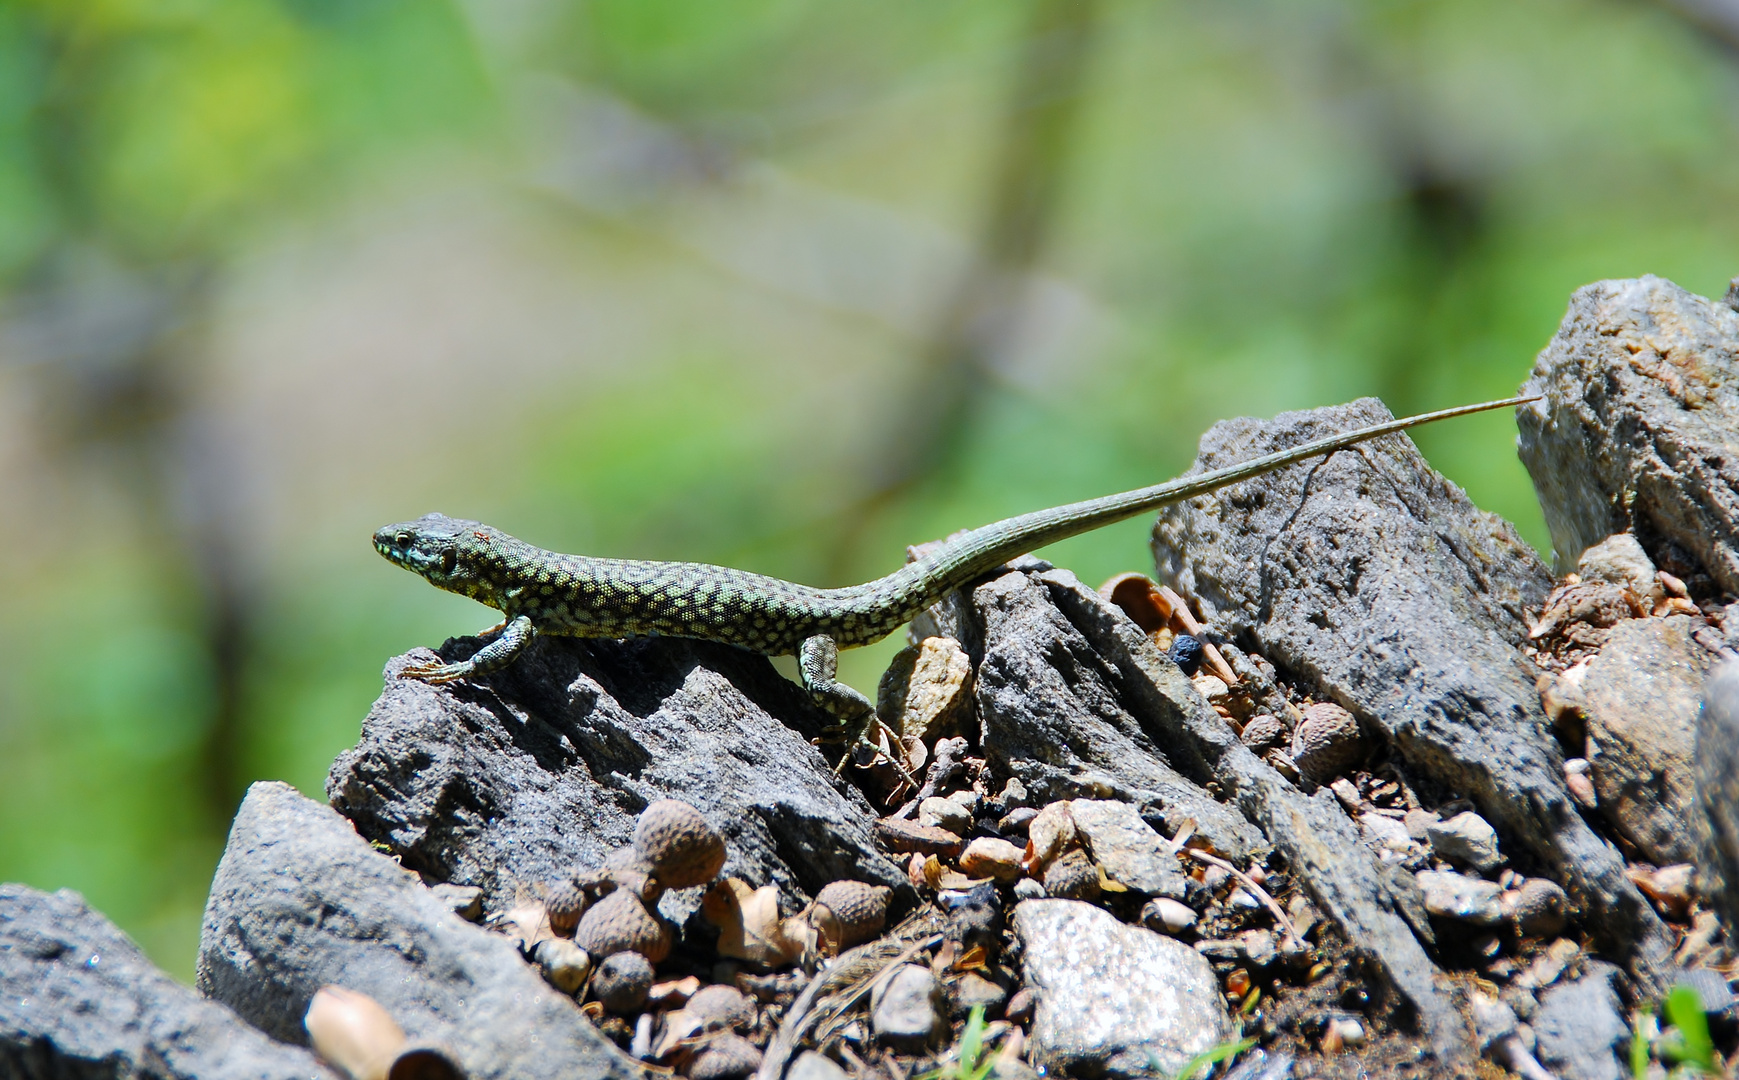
(545, 592)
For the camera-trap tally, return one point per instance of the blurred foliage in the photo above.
(278, 271)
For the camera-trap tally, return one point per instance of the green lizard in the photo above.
(543, 592)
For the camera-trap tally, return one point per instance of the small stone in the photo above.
(1580, 1025)
(1381, 831)
(1211, 687)
(465, 901)
(1711, 988)
(967, 798)
(564, 964)
(1669, 887)
(1015, 822)
(1466, 840)
(724, 1057)
(620, 923)
(1347, 795)
(1264, 733)
(674, 840)
(1450, 895)
(1416, 822)
(1129, 849)
(1167, 916)
(987, 857)
(911, 836)
(1020, 1006)
(1551, 962)
(1113, 998)
(945, 814)
(1541, 908)
(974, 991)
(813, 1066)
(1343, 1033)
(1258, 947)
(905, 1010)
(719, 1006)
(1580, 783)
(1072, 876)
(622, 982)
(1620, 560)
(1052, 830)
(1028, 889)
(1326, 742)
(859, 910)
(926, 692)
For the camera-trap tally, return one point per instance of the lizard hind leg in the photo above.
(818, 665)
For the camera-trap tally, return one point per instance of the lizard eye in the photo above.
(403, 539)
(449, 559)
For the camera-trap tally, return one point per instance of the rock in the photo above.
(910, 836)
(1381, 832)
(1127, 847)
(926, 692)
(906, 1010)
(1326, 742)
(724, 1057)
(1347, 794)
(1114, 998)
(1072, 875)
(1711, 987)
(1466, 840)
(1167, 916)
(1051, 832)
(988, 857)
(465, 901)
(1021, 1006)
(564, 964)
(1418, 824)
(1716, 821)
(944, 814)
(1455, 896)
(1541, 908)
(1015, 822)
(813, 1066)
(1580, 782)
(1312, 834)
(1641, 696)
(975, 991)
(300, 901)
(1579, 1027)
(1619, 559)
(81, 1000)
(1029, 889)
(547, 769)
(1388, 591)
(1635, 426)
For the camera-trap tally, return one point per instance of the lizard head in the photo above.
(450, 552)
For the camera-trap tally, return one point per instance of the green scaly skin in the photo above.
(544, 592)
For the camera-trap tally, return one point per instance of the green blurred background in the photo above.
(784, 284)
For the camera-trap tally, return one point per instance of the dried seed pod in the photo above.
(861, 909)
(676, 842)
(1264, 733)
(1072, 876)
(1326, 742)
(564, 906)
(724, 1057)
(620, 923)
(622, 982)
(721, 1006)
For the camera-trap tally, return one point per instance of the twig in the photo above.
(1255, 890)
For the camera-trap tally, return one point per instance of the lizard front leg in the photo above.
(514, 637)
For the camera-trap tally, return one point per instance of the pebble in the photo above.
(1129, 849)
(724, 1057)
(1326, 742)
(1028, 889)
(926, 690)
(622, 982)
(1620, 559)
(465, 901)
(905, 1010)
(1417, 822)
(946, 814)
(1211, 687)
(975, 990)
(1579, 1026)
(1167, 916)
(1343, 1033)
(1114, 998)
(912, 836)
(564, 964)
(813, 1066)
(988, 857)
(1580, 783)
(1381, 831)
(1541, 908)
(1050, 832)
(1550, 964)
(1264, 733)
(1466, 840)
(1020, 1007)
(1258, 947)
(1015, 822)
(1711, 988)
(1348, 795)
(1455, 896)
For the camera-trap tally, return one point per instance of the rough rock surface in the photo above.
(543, 770)
(1640, 696)
(1579, 1027)
(1635, 428)
(1716, 822)
(1373, 578)
(1114, 998)
(1127, 847)
(1017, 614)
(300, 901)
(80, 1000)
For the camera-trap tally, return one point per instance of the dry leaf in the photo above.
(750, 927)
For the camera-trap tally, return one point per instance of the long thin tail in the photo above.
(980, 550)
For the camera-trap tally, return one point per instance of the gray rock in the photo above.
(1114, 998)
(1716, 821)
(1640, 696)
(974, 991)
(813, 1066)
(544, 771)
(1619, 559)
(1579, 1027)
(1711, 988)
(906, 1010)
(1382, 832)
(1167, 916)
(945, 814)
(300, 901)
(1635, 430)
(1127, 847)
(1378, 582)
(1449, 895)
(1467, 840)
(1312, 834)
(80, 1000)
